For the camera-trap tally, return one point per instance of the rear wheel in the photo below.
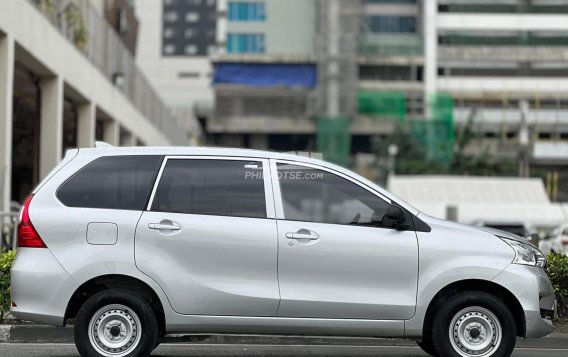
(474, 324)
(116, 323)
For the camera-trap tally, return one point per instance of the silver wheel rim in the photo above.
(475, 331)
(115, 330)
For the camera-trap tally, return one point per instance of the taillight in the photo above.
(565, 243)
(27, 235)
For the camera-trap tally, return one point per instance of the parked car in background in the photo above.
(556, 241)
(137, 243)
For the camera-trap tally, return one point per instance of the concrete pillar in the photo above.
(6, 94)
(333, 86)
(430, 54)
(51, 126)
(86, 125)
(259, 141)
(111, 132)
(129, 140)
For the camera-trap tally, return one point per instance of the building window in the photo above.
(169, 49)
(168, 33)
(192, 17)
(192, 75)
(246, 11)
(394, 24)
(170, 16)
(190, 49)
(189, 33)
(189, 26)
(245, 43)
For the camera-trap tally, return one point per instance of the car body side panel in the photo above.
(214, 265)
(440, 266)
(532, 288)
(40, 287)
(349, 272)
(63, 230)
(284, 326)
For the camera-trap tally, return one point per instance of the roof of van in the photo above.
(196, 150)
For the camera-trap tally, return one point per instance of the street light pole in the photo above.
(524, 142)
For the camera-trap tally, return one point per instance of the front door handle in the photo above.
(301, 234)
(164, 226)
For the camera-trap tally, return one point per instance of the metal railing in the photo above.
(80, 23)
(8, 230)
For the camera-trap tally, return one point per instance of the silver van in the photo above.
(138, 243)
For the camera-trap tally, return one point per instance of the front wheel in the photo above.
(116, 323)
(427, 346)
(474, 324)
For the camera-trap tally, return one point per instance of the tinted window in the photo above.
(319, 196)
(117, 182)
(212, 187)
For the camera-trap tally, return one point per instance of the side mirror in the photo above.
(394, 217)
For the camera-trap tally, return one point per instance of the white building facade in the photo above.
(175, 39)
(68, 90)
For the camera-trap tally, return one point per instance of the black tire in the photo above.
(137, 311)
(474, 306)
(427, 346)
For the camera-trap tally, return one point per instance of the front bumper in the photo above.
(40, 287)
(535, 293)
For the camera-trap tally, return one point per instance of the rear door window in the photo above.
(212, 187)
(113, 182)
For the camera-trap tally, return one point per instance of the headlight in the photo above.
(526, 254)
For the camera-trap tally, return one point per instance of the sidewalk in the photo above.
(50, 334)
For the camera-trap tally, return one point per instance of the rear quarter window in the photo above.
(113, 182)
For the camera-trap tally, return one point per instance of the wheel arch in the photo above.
(489, 287)
(116, 281)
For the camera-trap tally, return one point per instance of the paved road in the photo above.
(195, 350)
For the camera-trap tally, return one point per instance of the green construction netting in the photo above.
(333, 139)
(382, 104)
(437, 135)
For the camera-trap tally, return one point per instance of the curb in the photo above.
(52, 334)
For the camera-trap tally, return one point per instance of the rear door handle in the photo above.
(306, 236)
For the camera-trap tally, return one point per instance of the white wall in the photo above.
(164, 72)
(37, 36)
(289, 27)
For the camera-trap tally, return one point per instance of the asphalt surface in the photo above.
(203, 349)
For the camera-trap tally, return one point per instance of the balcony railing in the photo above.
(91, 34)
(390, 45)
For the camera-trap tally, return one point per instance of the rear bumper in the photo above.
(40, 287)
(534, 291)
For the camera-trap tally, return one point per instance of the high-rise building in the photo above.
(428, 62)
(176, 37)
(265, 71)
